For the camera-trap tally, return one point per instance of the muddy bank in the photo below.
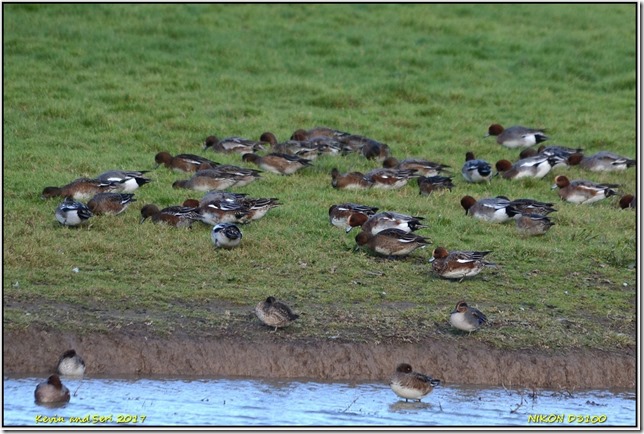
(33, 351)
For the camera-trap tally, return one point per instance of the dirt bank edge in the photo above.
(33, 351)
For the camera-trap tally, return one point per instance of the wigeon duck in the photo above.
(71, 364)
(517, 136)
(242, 175)
(182, 162)
(244, 209)
(206, 180)
(318, 132)
(51, 391)
(466, 318)
(326, 145)
(256, 208)
(388, 179)
(349, 215)
(274, 313)
(531, 206)
(177, 216)
(302, 149)
(582, 191)
(493, 209)
(374, 150)
(349, 180)
(230, 145)
(390, 220)
(81, 189)
(530, 167)
(427, 184)
(628, 201)
(408, 384)
(602, 162)
(475, 170)
(561, 152)
(421, 167)
(226, 235)
(391, 242)
(221, 195)
(110, 203)
(533, 224)
(128, 181)
(72, 213)
(283, 164)
(458, 264)
(219, 211)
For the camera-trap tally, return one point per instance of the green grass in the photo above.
(89, 88)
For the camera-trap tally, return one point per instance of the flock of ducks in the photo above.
(389, 234)
(404, 382)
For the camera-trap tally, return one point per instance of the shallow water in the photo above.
(253, 402)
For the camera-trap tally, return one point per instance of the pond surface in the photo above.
(254, 402)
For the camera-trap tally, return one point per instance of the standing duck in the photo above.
(516, 136)
(226, 235)
(275, 313)
(408, 384)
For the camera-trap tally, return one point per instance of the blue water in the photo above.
(251, 402)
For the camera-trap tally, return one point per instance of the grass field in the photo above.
(88, 88)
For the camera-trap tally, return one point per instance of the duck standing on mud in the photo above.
(274, 313)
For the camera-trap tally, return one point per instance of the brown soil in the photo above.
(261, 353)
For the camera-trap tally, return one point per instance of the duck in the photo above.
(458, 264)
(493, 209)
(182, 162)
(317, 132)
(110, 203)
(301, 148)
(282, 164)
(206, 180)
(81, 189)
(628, 201)
(475, 170)
(71, 364)
(177, 216)
(256, 208)
(466, 318)
(391, 242)
(221, 195)
(561, 152)
(389, 220)
(388, 179)
(51, 391)
(603, 161)
(408, 384)
(516, 136)
(219, 211)
(581, 191)
(231, 145)
(531, 206)
(275, 313)
(421, 167)
(242, 175)
(226, 235)
(530, 167)
(348, 215)
(427, 184)
(72, 213)
(532, 224)
(349, 180)
(374, 150)
(128, 181)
